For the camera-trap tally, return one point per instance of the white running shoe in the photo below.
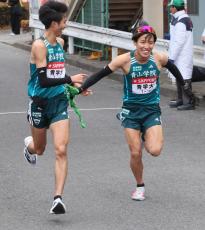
(31, 158)
(139, 194)
(58, 207)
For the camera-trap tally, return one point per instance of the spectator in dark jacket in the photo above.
(15, 16)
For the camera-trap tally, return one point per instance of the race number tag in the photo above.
(144, 85)
(56, 70)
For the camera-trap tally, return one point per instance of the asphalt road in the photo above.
(97, 193)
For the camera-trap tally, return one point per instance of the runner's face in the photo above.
(145, 45)
(60, 26)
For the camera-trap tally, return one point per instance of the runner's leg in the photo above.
(60, 132)
(154, 140)
(37, 146)
(133, 138)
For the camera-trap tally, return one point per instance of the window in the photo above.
(193, 7)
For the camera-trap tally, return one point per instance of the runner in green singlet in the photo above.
(48, 102)
(140, 115)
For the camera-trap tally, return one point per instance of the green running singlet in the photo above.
(141, 84)
(55, 69)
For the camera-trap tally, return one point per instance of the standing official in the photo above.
(181, 51)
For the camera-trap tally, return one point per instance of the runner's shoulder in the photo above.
(160, 56)
(38, 43)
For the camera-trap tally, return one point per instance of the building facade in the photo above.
(155, 12)
(198, 18)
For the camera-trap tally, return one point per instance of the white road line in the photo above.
(94, 109)
(70, 110)
(98, 109)
(7, 113)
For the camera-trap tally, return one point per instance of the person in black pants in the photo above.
(15, 16)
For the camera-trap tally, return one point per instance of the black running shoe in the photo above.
(58, 207)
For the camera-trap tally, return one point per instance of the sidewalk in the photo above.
(23, 41)
(20, 41)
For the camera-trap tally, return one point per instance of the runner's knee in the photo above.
(61, 150)
(135, 153)
(155, 150)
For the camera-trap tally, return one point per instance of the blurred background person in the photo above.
(203, 39)
(181, 51)
(15, 16)
(198, 71)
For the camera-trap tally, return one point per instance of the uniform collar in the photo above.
(179, 13)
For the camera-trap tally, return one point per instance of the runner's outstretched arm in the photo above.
(95, 78)
(175, 71)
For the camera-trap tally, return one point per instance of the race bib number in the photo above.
(144, 85)
(56, 70)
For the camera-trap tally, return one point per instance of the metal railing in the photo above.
(114, 38)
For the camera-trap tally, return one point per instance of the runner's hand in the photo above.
(86, 92)
(78, 78)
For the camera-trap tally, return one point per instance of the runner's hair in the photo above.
(52, 11)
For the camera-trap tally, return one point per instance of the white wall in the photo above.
(199, 23)
(153, 14)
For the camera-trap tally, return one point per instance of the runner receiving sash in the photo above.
(141, 114)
